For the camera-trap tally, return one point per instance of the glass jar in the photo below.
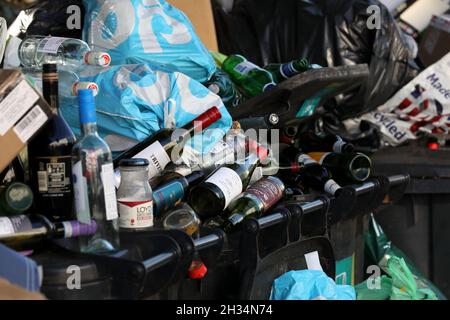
(135, 196)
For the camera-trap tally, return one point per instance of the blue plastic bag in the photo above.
(135, 101)
(309, 285)
(152, 30)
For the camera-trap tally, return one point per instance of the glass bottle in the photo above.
(93, 174)
(135, 196)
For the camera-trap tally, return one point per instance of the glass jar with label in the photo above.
(135, 196)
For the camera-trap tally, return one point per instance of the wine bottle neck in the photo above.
(50, 90)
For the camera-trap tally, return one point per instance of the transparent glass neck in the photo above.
(89, 128)
(134, 176)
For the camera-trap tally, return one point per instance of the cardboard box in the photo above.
(23, 112)
(201, 15)
(435, 43)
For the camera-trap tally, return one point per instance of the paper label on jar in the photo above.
(229, 182)
(51, 44)
(80, 194)
(157, 156)
(244, 67)
(109, 189)
(135, 214)
(268, 190)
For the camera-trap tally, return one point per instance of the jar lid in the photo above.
(134, 162)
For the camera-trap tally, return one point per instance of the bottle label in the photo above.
(331, 187)
(135, 214)
(51, 44)
(168, 196)
(11, 225)
(109, 189)
(304, 160)
(245, 67)
(30, 124)
(54, 176)
(81, 194)
(229, 182)
(319, 156)
(74, 229)
(268, 190)
(157, 156)
(339, 145)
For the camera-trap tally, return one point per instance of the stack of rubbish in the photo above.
(134, 132)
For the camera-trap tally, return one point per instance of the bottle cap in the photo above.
(87, 106)
(84, 85)
(134, 162)
(98, 58)
(208, 118)
(254, 147)
(198, 272)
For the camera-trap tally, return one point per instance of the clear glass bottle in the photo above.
(93, 175)
(135, 196)
(35, 51)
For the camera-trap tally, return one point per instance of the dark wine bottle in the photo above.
(158, 148)
(345, 168)
(309, 173)
(211, 197)
(49, 155)
(255, 201)
(323, 142)
(171, 193)
(23, 231)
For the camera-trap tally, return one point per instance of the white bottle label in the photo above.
(229, 182)
(135, 214)
(157, 156)
(245, 67)
(109, 190)
(331, 187)
(6, 226)
(80, 194)
(51, 44)
(304, 159)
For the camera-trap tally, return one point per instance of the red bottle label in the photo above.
(269, 190)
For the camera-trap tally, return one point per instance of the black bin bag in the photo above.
(328, 33)
(55, 18)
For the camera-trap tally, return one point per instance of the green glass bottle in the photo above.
(252, 79)
(281, 72)
(221, 85)
(255, 201)
(15, 198)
